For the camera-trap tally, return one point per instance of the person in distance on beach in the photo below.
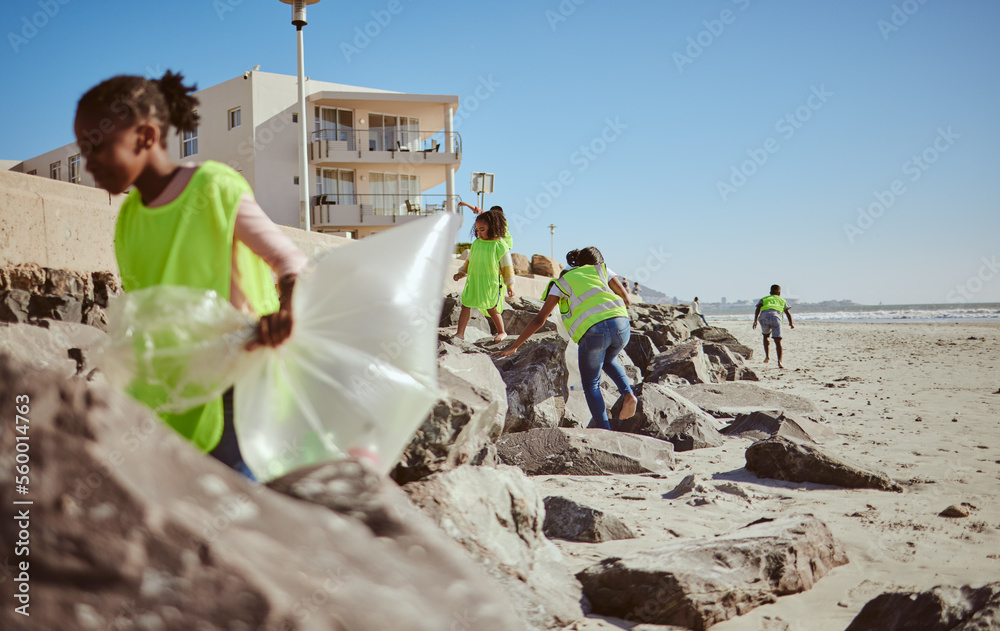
(594, 308)
(186, 225)
(696, 309)
(769, 310)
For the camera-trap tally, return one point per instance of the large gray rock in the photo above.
(760, 425)
(566, 519)
(698, 583)
(735, 398)
(566, 451)
(699, 362)
(497, 515)
(542, 265)
(516, 319)
(724, 337)
(943, 608)
(731, 363)
(782, 458)
(522, 264)
(128, 517)
(14, 305)
(464, 424)
(662, 413)
(452, 306)
(641, 350)
(537, 383)
(63, 347)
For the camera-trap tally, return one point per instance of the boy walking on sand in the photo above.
(769, 310)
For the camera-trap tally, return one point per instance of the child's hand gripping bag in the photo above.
(360, 368)
(358, 372)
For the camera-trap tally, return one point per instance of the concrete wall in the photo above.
(66, 226)
(56, 224)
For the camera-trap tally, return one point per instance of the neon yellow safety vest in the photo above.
(189, 242)
(775, 303)
(590, 300)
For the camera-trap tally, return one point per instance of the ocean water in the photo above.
(878, 313)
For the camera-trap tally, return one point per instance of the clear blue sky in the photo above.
(869, 84)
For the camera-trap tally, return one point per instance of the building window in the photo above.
(234, 118)
(295, 180)
(391, 191)
(189, 143)
(388, 132)
(335, 124)
(335, 186)
(295, 118)
(74, 169)
(33, 172)
(55, 170)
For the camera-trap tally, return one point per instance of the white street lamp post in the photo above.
(552, 234)
(299, 20)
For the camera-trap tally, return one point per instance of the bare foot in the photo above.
(767, 359)
(628, 406)
(779, 365)
(499, 337)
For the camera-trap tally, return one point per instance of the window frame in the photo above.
(238, 115)
(74, 171)
(55, 170)
(189, 138)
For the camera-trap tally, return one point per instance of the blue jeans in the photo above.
(599, 348)
(228, 450)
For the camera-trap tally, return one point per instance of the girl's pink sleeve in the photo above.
(255, 229)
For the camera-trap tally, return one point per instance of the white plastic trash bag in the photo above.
(358, 374)
(174, 347)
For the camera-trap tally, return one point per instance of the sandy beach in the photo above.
(917, 401)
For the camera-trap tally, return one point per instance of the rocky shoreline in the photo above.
(503, 512)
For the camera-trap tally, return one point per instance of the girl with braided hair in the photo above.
(489, 262)
(187, 225)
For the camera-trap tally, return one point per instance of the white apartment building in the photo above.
(373, 154)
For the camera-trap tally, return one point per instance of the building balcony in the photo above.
(338, 211)
(373, 146)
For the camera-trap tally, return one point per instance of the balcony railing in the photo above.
(336, 209)
(385, 140)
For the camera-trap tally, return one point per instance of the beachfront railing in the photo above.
(385, 139)
(340, 209)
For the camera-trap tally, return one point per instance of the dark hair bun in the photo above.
(180, 103)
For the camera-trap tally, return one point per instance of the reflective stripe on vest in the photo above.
(589, 299)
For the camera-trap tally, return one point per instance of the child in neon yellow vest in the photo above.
(489, 261)
(769, 310)
(193, 226)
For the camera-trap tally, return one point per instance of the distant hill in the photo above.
(653, 297)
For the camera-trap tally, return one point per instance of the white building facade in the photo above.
(373, 154)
